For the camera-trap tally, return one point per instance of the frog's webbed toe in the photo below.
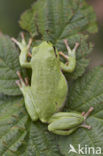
(69, 49)
(23, 43)
(84, 125)
(88, 113)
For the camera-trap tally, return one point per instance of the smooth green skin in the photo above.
(47, 94)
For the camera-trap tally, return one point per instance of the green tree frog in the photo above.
(46, 95)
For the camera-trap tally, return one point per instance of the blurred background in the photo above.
(10, 11)
(97, 39)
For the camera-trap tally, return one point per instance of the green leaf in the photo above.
(9, 65)
(19, 135)
(55, 20)
(84, 93)
(58, 19)
(12, 124)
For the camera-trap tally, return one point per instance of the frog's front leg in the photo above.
(70, 65)
(63, 123)
(28, 97)
(24, 51)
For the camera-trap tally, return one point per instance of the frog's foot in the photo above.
(70, 64)
(88, 113)
(69, 49)
(85, 117)
(24, 47)
(71, 52)
(29, 42)
(22, 83)
(23, 43)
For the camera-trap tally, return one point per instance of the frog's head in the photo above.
(45, 50)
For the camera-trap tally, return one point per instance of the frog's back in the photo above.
(46, 79)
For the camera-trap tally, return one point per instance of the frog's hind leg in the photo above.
(63, 123)
(28, 97)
